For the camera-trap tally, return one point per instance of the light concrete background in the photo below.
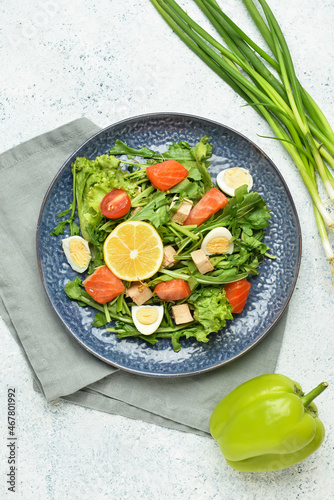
(109, 60)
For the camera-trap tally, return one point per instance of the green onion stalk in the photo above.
(278, 96)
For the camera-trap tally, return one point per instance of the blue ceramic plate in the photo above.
(270, 291)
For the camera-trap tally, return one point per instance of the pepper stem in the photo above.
(308, 398)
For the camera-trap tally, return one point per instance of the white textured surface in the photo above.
(108, 60)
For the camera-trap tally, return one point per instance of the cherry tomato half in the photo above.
(115, 204)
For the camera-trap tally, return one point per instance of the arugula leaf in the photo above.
(100, 320)
(188, 189)
(74, 228)
(128, 331)
(252, 242)
(120, 148)
(73, 288)
(194, 174)
(201, 152)
(65, 212)
(156, 211)
(75, 291)
(252, 210)
(96, 236)
(180, 151)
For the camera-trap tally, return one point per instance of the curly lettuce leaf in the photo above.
(94, 179)
(211, 310)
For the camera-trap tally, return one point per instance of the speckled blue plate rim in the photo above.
(169, 115)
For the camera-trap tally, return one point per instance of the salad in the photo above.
(163, 251)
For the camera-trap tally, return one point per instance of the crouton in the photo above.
(182, 314)
(168, 260)
(139, 293)
(201, 261)
(182, 212)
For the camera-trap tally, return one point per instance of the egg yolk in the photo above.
(218, 245)
(79, 253)
(236, 177)
(147, 315)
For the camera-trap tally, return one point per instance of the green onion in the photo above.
(143, 194)
(106, 312)
(171, 329)
(278, 97)
(109, 314)
(183, 230)
(92, 303)
(201, 278)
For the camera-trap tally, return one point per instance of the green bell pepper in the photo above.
(267, 424)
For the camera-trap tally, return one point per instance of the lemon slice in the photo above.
(133, 251)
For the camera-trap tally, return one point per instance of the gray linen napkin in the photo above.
(61, 367)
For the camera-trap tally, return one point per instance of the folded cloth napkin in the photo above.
(61, 367)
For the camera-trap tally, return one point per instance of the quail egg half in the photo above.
(230, 179)
(147, 319)
(218, 241)
(77, 253)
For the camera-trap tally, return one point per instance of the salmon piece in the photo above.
(167, 174)
(237, 293)
(173, 290)
(103, 286)
(211, 202)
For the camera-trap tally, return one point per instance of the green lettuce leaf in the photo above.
(94, 179)
(211, 310)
